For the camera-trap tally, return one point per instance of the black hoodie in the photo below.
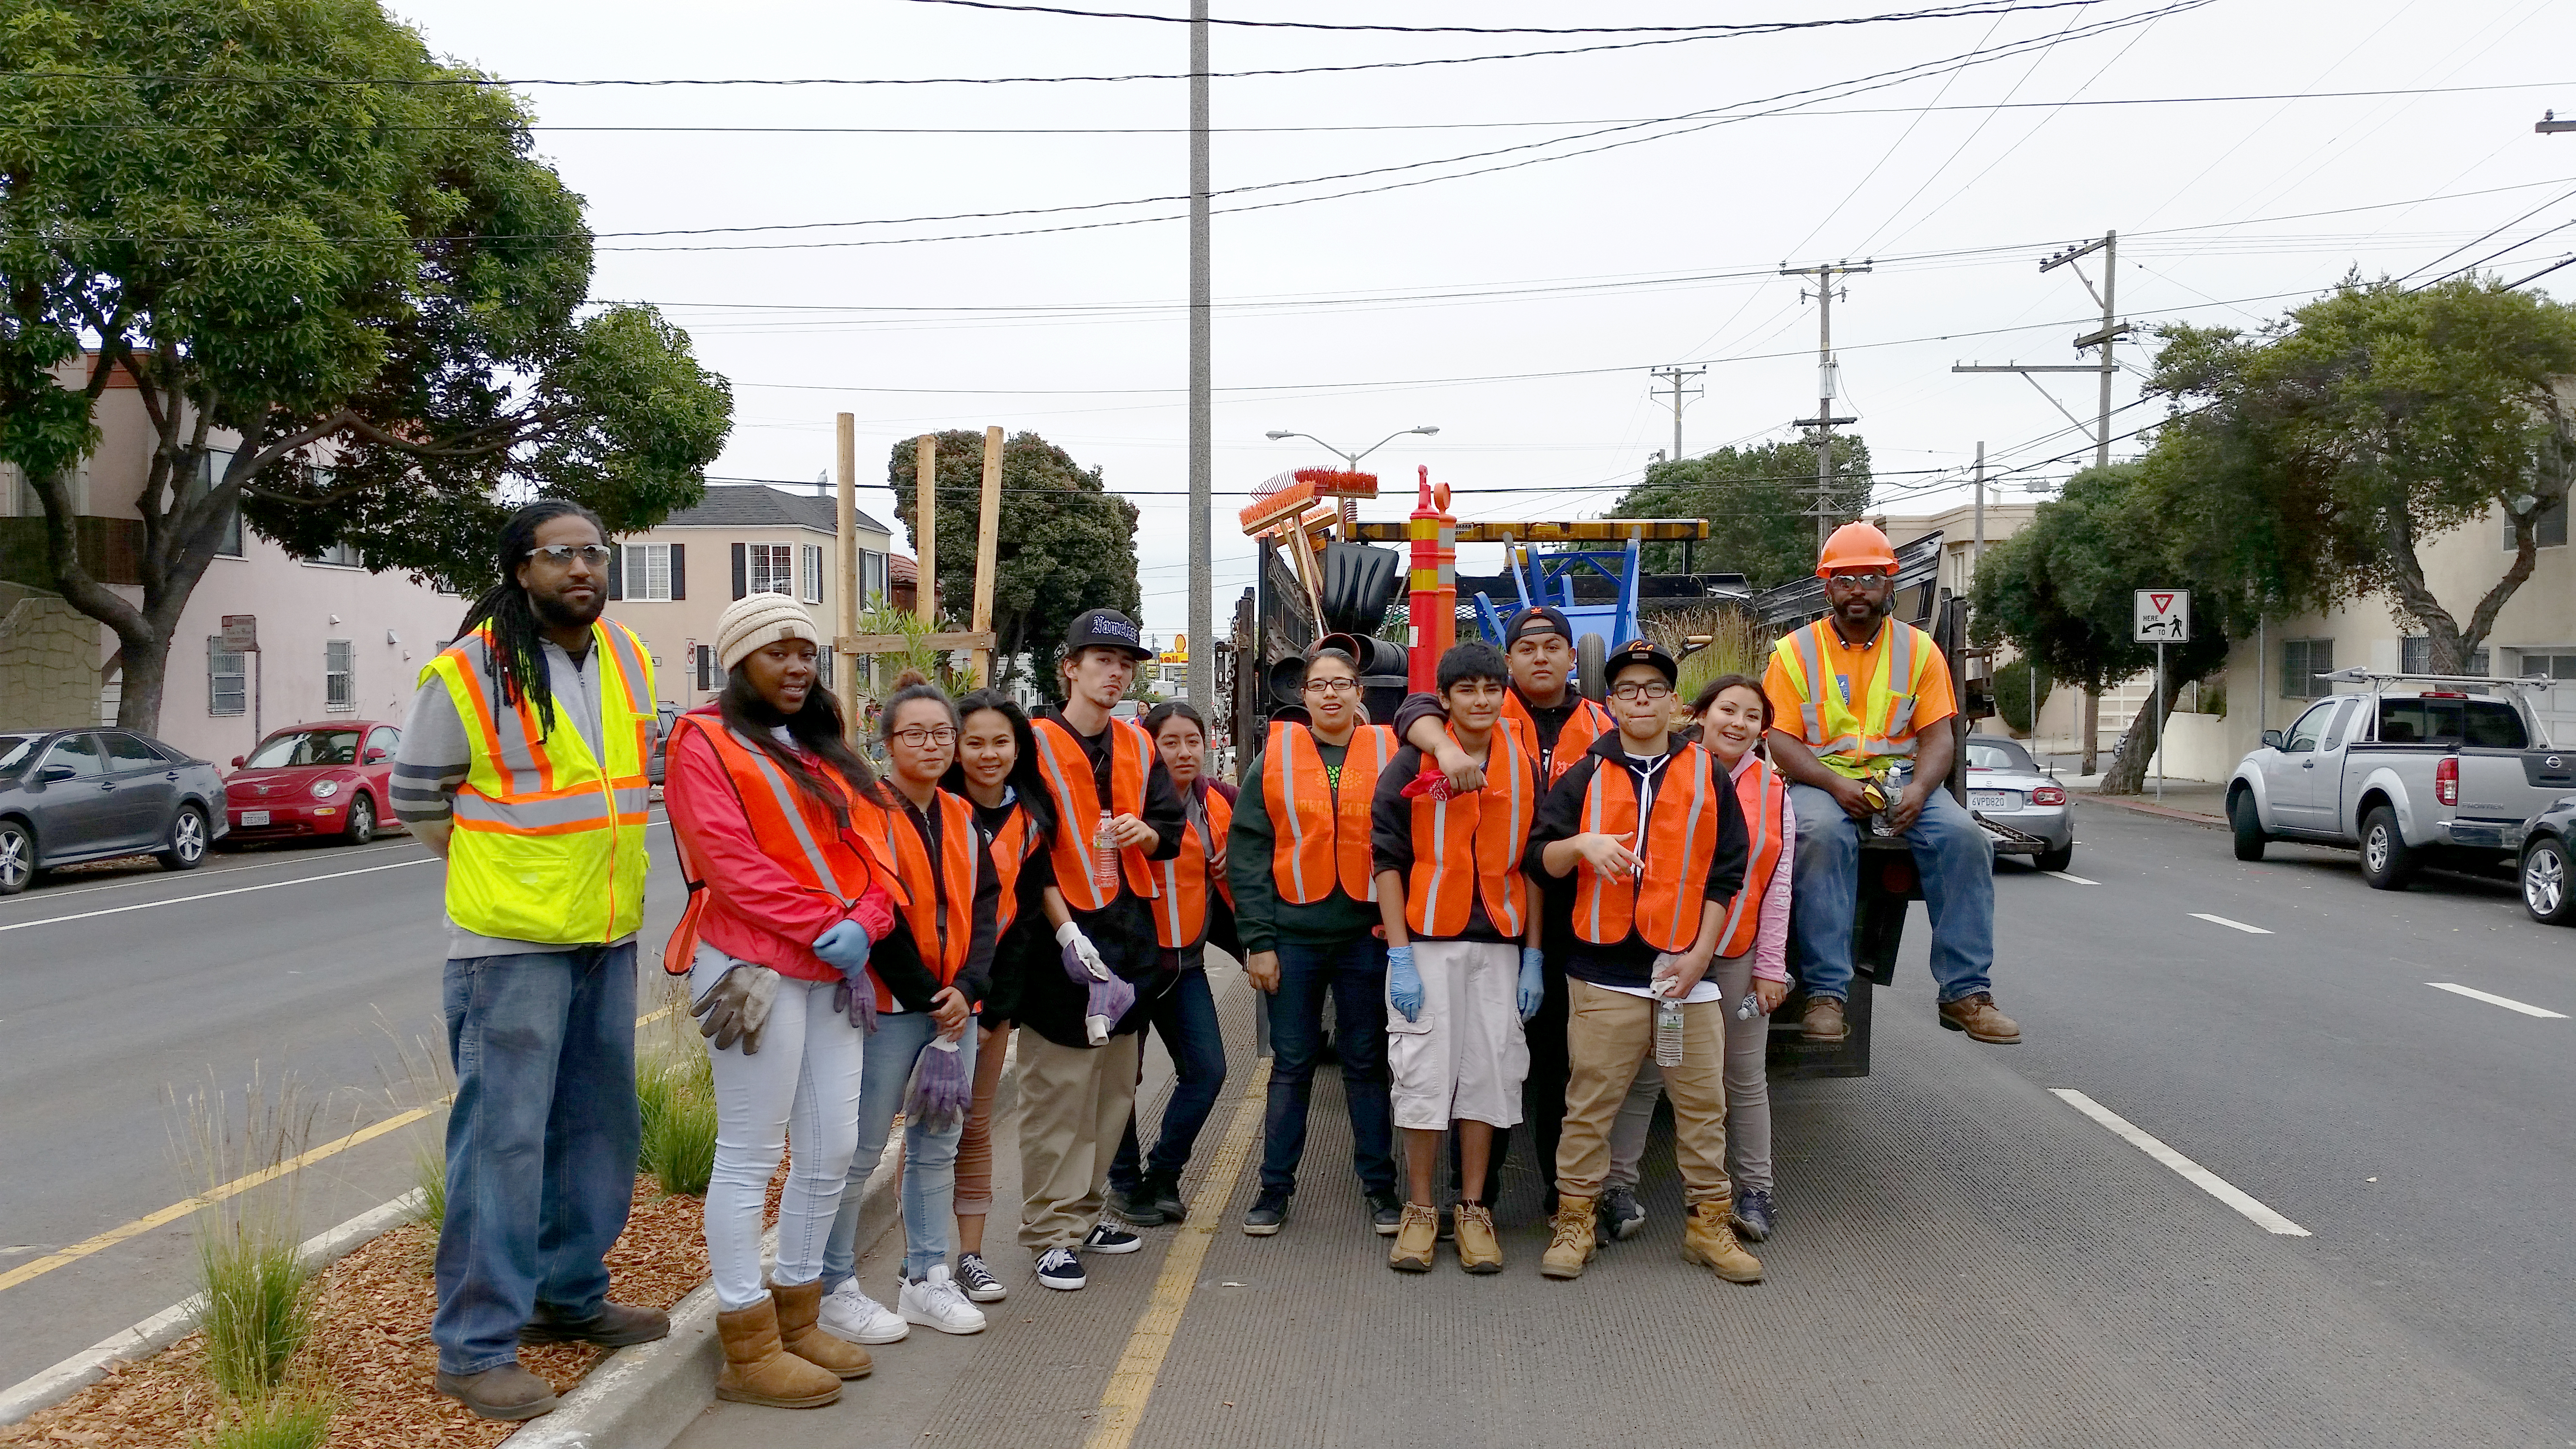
(1560, 817)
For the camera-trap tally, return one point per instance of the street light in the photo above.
(1426, 430)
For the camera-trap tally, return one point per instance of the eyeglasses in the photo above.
(1856, 581)
(560, 554)
(1651, 689)
(922, 739)
(1332, 686)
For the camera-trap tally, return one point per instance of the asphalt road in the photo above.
(1965, 1258)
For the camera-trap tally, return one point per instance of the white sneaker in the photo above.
(937, 1301)
(853, 1315)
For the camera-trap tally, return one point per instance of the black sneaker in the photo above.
(1621, 1215)
(1134, 1205)
(1165, 1194)
(1386, 1212)
(978, 1280)
(1268, 1211)
(1448, 1225)
(1059, 1268)
(1753, 1215)
(1107, 1237)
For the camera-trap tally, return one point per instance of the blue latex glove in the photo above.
(1403, 982)
(1532, 991)
(844, 947)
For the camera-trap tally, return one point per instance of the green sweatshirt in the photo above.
(1260, 916)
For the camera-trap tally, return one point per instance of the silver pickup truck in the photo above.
(2413, 769)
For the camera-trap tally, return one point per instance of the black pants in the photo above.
(1542, 1092)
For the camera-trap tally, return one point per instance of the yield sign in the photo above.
(2162, 616)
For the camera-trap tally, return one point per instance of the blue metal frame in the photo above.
(1549, 579)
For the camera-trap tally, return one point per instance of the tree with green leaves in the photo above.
(2312, 461)
(291, 224)
(1066, 542)
(1757, 502)
(2062, 590)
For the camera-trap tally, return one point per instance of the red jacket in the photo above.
(755, 910)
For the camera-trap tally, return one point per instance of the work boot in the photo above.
(1133, 1204)
(799, 1305)
(1478, 1251)
(1417, 1237)
(1708, 1239)
(1163, 1190)
(1976, 1015)
(1570, 1243)
(1824, 1020)
(508, 1392)
(615, 1325)
(758, 1370)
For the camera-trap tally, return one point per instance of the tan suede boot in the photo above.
(1478, 1250)
(1417, 1238)
(1708, 1239)
(798, 1308)
(1570, 1242)
(758, 1371)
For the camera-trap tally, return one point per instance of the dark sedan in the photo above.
(2547, 891)
(72, 795)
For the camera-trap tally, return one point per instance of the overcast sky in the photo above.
(1519, 310)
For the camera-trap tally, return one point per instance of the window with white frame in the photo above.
(2303, 663)
(773, 568)
(648, 572)
(812, 592)
(2415, 656)
(2555, 663)
(2550, 526)
(339, 556)
(339, 675)
(227, 678)
(872, 576)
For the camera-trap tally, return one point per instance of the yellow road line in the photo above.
(1131, 1384)
(234, 1188)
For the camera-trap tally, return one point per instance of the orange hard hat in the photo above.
(1856, 546)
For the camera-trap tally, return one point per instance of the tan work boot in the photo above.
(1708, 1239)
(1478, 1251)
(508, 1392)
(758, 1371)
(1824, 1020)
(798, 1308)
(1976, 1015)
(1417, 1237)
(1570, 1242)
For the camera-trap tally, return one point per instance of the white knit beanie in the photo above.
(756, 621)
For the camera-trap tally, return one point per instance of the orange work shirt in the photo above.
(1850, 669)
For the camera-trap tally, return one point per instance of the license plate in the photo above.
(1994, 799)
(254, 817)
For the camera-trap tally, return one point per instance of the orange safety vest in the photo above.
(1013, 848)
(1181, 915)
(1679, 840)
(1471, 845)
(942, 922)
(1067, 768)
(1321, 831)
(1589, 722)
(794, 829)
(1762, 791)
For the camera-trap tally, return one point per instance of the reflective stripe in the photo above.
(1592, 824)
(784, 795)
(1283, 748)
(1690, 847)
(1757, 830)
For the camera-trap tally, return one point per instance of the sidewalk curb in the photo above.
(647, 1396)
(2149, 807)
(44, 1390)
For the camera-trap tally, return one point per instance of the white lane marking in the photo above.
(2192, 1172)
(162, 877)
(2491, 999)
(210, 895)
(2073, 879)
(2231, 925)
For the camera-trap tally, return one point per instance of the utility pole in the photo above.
(1677, 375)
(2111, 330)
(1201, 679)
(1977, 553)
(1826, 369)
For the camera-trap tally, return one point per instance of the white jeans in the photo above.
(1748, 1093)
(804, 1080)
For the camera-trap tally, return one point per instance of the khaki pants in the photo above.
(1608, 1034)
(1074, 1103)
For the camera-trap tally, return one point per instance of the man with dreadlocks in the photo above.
(522, 762)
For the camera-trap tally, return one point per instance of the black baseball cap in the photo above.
(1537, 619)
(1106, 628)
(1641, 651)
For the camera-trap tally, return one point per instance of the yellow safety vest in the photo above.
(549, 840)
(1854, 736)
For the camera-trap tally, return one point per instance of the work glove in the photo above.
(1403, 983)
(942, 1089)
(737, 1006)
(1106, 1004)
(854, 998)
(1082, 961)
(1531, 993)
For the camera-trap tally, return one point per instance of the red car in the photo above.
(314, 779)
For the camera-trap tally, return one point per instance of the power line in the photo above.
(1388, 29)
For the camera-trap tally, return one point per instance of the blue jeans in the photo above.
(541, 1144)
(1353, 974)
(1185, 1018)
(929, 1158)
(1951, 854)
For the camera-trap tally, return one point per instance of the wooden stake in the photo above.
(925, 527)
(988, 537)
(846, 430)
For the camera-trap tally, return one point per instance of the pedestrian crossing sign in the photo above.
(2162, 616)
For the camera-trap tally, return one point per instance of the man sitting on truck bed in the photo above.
(1852, 694)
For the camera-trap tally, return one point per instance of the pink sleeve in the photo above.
(1771, 940)
(709, 819)
(875, 913)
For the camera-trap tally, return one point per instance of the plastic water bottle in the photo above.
(1668, 1032)
(1104, 858)
(1749, 1008)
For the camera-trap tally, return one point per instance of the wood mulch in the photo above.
(372, 1347)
